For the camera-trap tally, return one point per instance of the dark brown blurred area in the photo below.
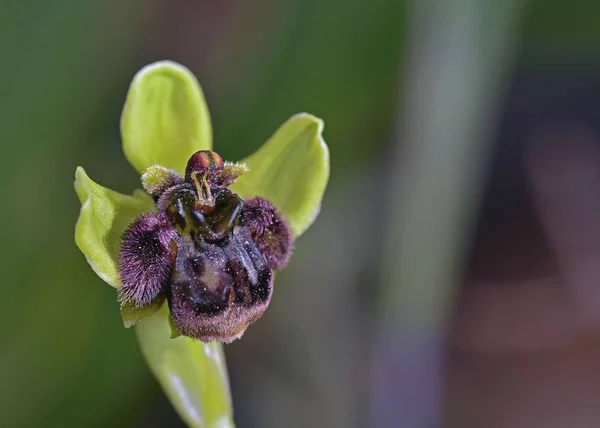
(525, 341)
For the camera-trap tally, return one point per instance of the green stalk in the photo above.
(456, 64)
(192, 374)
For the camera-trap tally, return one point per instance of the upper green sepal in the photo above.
(290, 170)
(104, 216)
(165, 118)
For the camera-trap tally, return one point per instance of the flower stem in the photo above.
(192, 374)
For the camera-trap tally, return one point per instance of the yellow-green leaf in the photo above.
(104, 215)
(192, 374)
(291, 170)
(165, 118)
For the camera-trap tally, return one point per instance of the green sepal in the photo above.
(104, 216)
(165, 118)
(290, 170)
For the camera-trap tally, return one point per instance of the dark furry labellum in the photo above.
(147, 257)
(210, 252)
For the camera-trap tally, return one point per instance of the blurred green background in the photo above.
(65, 360)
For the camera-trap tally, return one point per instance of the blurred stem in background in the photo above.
(458, 55)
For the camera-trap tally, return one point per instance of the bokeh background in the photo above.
(453, 277)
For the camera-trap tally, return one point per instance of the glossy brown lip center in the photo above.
(197, 222)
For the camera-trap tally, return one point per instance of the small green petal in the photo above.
(132, 315)
(233, 170)
(104, 215)
(175, 333)
(192, 374)
(165, 118)
(290, 170)
(156, 179)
